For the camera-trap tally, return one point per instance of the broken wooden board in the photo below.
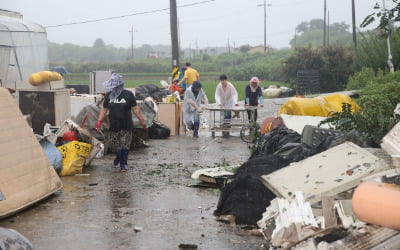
(391, 144)
(325, 174)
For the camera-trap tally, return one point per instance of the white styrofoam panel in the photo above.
(297, 122)
(325, 174)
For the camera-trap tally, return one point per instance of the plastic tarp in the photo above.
(28, 43)
(317, 106)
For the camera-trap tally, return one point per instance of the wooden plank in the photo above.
(328, 211)
(328, 173)
(371, 239)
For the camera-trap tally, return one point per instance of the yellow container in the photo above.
(170, 99)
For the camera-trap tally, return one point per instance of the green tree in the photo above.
(386, 17)
(335, 64)
(311, 34)
(99, 43)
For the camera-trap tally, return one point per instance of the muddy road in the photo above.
(151, 206)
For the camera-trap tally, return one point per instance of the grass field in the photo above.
(209, 81)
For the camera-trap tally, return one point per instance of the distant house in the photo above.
(153, 55)
(259, 49)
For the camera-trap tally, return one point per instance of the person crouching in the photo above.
(194, 95)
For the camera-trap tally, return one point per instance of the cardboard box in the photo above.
(169, 115)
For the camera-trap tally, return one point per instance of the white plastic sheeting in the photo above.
(26, 44)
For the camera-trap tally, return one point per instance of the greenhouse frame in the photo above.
(23, 48)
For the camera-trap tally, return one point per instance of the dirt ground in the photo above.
(152, 206)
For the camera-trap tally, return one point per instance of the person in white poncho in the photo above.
(194, 96)
(226, 96)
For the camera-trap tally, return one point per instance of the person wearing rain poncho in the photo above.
(194, 95)
(226, 96)
(119, 103)
(254, 97)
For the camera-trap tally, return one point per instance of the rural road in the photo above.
(149, 207)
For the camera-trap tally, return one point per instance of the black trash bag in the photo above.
(270, 142)
(159, 131)
(246, 197)
(294, 151)
(148, 88)
(151, 90)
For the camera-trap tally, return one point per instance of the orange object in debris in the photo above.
(175, 87)
(378, 203)
(270, 123)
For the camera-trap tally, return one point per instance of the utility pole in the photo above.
(388, 32)
(327, 31)
(265, 27)
(353, 14)
(265, 24)
(324, 39)
(131, 31)
(174, 33)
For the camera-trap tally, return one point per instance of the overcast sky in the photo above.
(202, 23)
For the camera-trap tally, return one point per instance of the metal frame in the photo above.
(228, 125)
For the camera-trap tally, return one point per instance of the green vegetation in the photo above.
(335, 64)
(378, 98)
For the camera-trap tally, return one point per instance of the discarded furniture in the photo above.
(325, 174)
(169, 114)
(26, 175)
(45, 106)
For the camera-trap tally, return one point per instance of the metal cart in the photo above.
(219, 124)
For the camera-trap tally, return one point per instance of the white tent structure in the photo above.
(23, 48)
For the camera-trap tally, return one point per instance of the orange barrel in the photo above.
(378, 203)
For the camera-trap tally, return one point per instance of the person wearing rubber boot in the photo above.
(119, 104)
(194, 95)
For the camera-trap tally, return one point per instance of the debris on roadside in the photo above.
(323, 189)
(391, 144)
(217, 175)
(187, 246)
(26, 172)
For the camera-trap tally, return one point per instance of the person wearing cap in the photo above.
(253, 97)
(189, 76)
(194, 95)
(119, 103)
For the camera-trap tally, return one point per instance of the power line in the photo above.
(123, 16)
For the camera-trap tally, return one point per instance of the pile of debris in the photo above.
(320, 189)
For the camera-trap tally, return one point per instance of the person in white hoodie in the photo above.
(226, 96)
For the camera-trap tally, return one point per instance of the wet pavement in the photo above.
(152, 206)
